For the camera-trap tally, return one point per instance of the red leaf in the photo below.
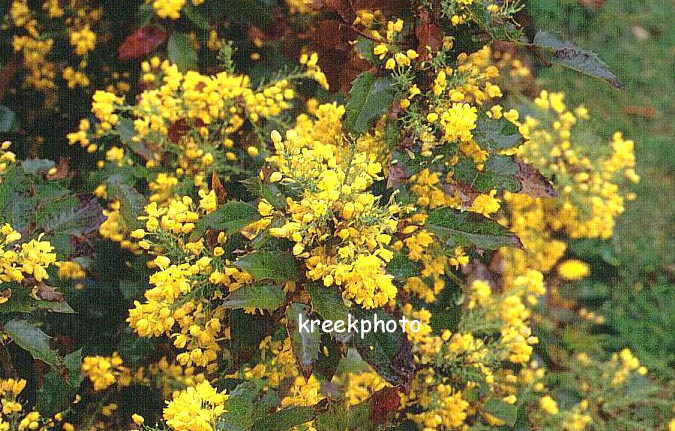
(428, 35)
(383, 403)
(142, 42)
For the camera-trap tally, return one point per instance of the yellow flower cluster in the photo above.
(170, 8)
(336, 224)
(196, 408)
(589, 183)
(105, 371)
(12, 416)
(36, 48)
(173, 300)
(75, 78)
(31, 258)
(591, 199)
(446, 409)
(83, 40)
(387, 45)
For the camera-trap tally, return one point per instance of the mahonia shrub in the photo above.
(254, 167)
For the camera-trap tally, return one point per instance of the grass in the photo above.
(635, 38)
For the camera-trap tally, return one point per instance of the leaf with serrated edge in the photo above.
(268, 265)
(36, 342)
(466, 228)
(369, 98)
(263, 296)
(569, 55)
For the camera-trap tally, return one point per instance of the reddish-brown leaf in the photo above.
(47, 293)
(142, 42)
(532, 182)
(218, 188)
(383, 403)
(396, 175)
(429, 36)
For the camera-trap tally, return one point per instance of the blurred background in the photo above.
(636, 39)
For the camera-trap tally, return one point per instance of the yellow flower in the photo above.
(549, 405)
(573, 269)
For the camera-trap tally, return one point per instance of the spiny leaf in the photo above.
(131, 203)
(467, 228)
(36, 342)
(181, 52)
(496, 134)
(506, 412)
(55, 394)
(284, 420)
(305, 344)
(267, 265)
(369, 98)
(502, 172)
(17, 200)
(264, 296)
(244, 406)
(401, 267)
(569, 55)
(230, 217)
(389, 353)
(327, 302)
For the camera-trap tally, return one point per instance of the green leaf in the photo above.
(181, 52)
(364, 47)
(337, 417)
(196, 17)
(55, 394)
(20, 301)
(305, 344)
(17, 198)
(326, 301)
(569, 55)
(401, 267)
(285, 419)
(68, 217)
(467, 228)
(326, 366)
(231, 217)
(8, 122)
(132, 289)
(36, 342)
(127, 131)
(54, 306)
(134, 349)
(267, 265)
(243, 407)
(145, 14)
(368, 415)
(264, 296)
(506, 412)
(369, 98)
(494, 135)
(132, 203)
(37, 166)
